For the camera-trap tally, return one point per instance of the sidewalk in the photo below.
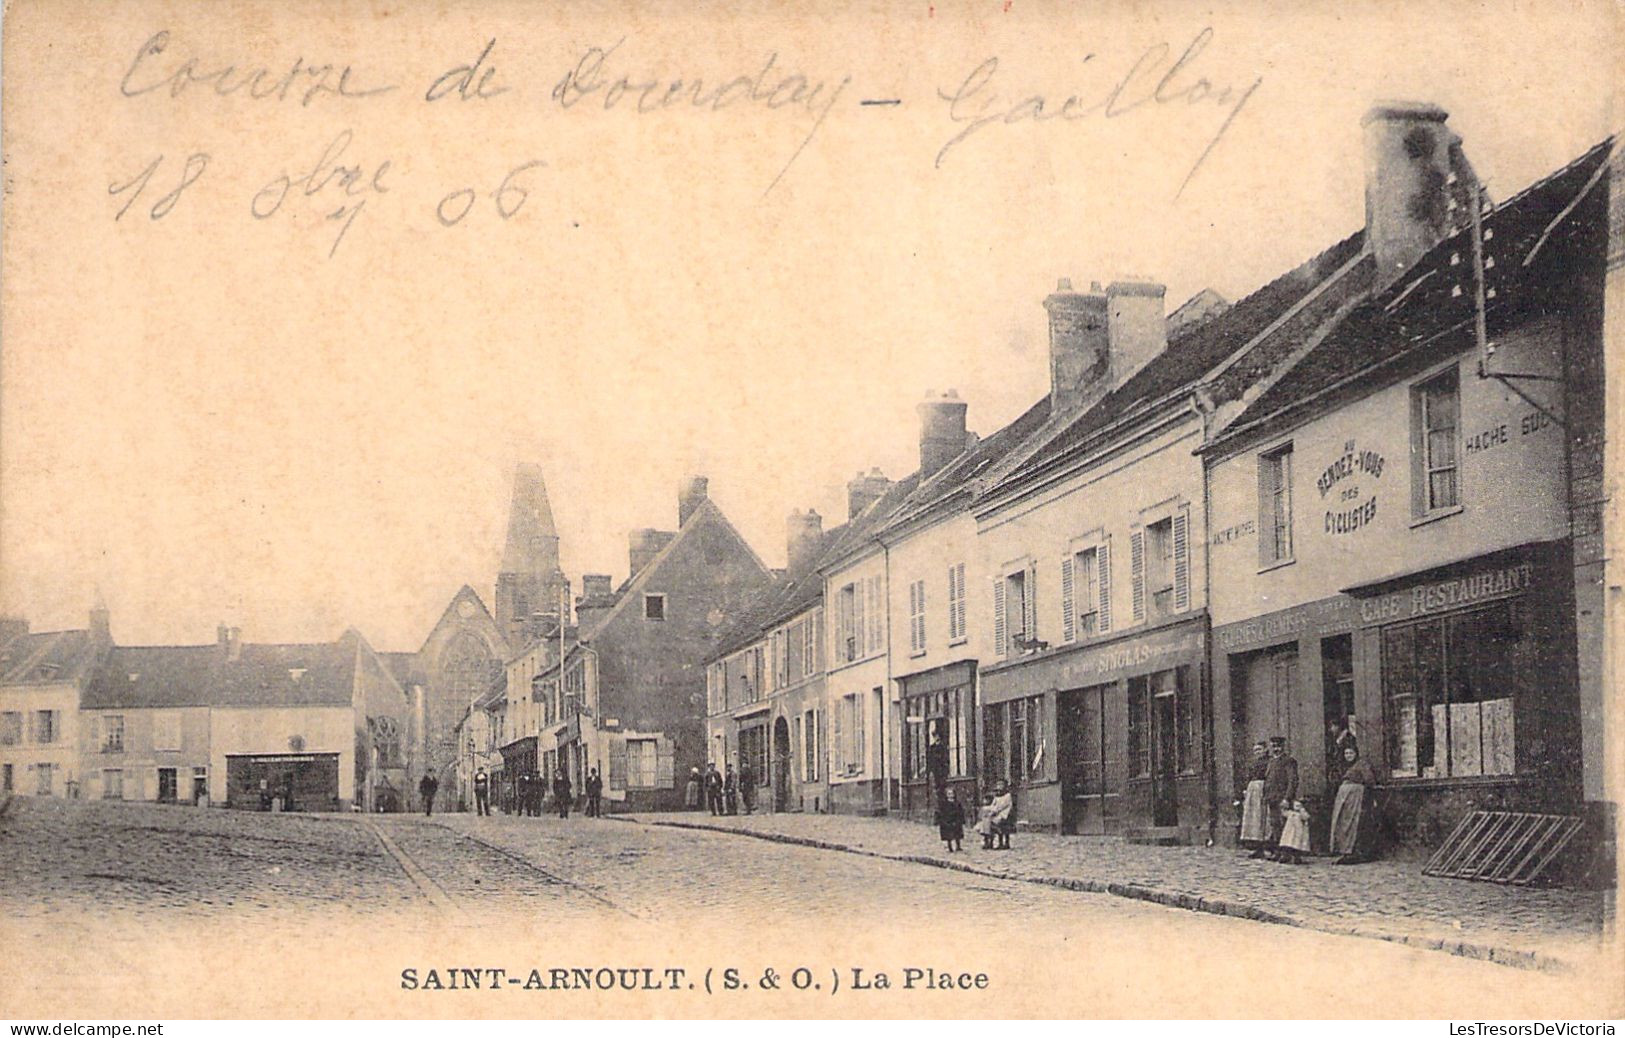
(1386, 900)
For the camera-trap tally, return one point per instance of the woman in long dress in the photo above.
(1255, 819)
(1353, 813)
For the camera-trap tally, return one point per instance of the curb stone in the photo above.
(1515, 958)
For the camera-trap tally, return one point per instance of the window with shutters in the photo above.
(916, 618)
(44, 726)
(1275, 506)
(795, 643)
(875, 612)
(1081, 597)
(112, 784)
(1159, 567)
(1160, 559)
(640, 763)
(810, 747)
(849, 724)
(1015, 628)
(848, 624)
(1435, 421)
(11, 728)
(956, 603)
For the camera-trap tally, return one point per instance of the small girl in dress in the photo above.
(951, 820)
(984, 822)
(1294, 834)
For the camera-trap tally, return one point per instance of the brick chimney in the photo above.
(690, 493)
(804, 531)
(1098, 339)
(643, 545)
(1417, 181)
(597, 597)
(864, 490)
(942, 430)
(231, 641)
(12, 627)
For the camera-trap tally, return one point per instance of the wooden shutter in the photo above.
(1000, 638)
(1029, 602)
(1103, 586)
(1069, 612)
(1136, 562)
(858, 627)
(920, 623)
(617, 763)
(838, 742)
(663, 763)
(1182, 560)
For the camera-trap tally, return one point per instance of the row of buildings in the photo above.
(1369, 498)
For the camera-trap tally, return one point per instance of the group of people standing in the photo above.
(1274, 821)
(724, 792)
(530, 794)
(996, 819)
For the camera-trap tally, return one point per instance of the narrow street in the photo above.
(249, 906)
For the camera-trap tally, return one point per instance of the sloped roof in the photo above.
(133, 677)
(863, 526)
(533, 541)
(1423, 302)
(49, 656)
(956, 479)
(1245, 340)
(780, 601)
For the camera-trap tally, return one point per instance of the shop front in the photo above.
(1287, 674)
(1128, 754)
(283, 781)
(1471, 668)
(519, 759)
(938, 710)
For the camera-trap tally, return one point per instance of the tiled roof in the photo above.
(779, 601)
(321, 674)
(957, 478)
(867, 523)
(1410, 314)
(49, 656)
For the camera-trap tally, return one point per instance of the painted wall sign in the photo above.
(1444, 595)
(1353, 508)
(1234, 533)
(1325, 615)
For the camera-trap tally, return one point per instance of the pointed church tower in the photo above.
(530, 585)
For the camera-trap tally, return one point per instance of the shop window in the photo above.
(112, 784)
(1275, 506)
(11, 728)
(1435, 421)
(1448, 685)
(993, 744)
(946, 713)
(1186, 718)
(113, 733)
(1139, 727)
(654, 607)
(1028, 740)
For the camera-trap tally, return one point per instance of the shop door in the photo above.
(1270, 695)
(1165, 761)
(166, 785)
(1082, 745)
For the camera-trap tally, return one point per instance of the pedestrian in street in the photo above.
(691, 791)
(730, 790)
(562, 791)
(1255, 826)
(1003, 817)
(1280, 790)
(747, 786)
(936, 762)
(951, 821)
(1354, 815)
(482, 794)
(427, 789)
(713, 788)
(1294, 834)
(595, 789)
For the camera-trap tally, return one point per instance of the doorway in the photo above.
(1087, 795)
(781, 765)
(1165, 759)
(166, 786)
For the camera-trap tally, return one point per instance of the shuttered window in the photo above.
(956, 602)
(916, 617)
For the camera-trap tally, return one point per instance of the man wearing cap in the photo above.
(1280, 789)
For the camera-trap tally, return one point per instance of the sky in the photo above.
(289, 392)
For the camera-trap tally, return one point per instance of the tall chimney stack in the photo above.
(804, 531)
(942, 430)
(596, 599)
(643, 545)
(864, 490)
(1098, 339)
(1416, 179)
(690, 493)
(1136, 326)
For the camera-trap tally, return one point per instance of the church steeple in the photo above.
(530, 584)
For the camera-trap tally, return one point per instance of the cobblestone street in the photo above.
(135, 888)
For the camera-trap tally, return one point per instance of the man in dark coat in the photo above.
(595, 789)
(561, 792)
(427, 789)
(730, 789)
(747, 786)
(936, 762)
(482, 793)
(713, 788)
(1280, 788)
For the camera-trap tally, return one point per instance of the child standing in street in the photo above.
(951, 820)
(1294, 834)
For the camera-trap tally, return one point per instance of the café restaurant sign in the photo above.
(1347, 486)
(1444, 595)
